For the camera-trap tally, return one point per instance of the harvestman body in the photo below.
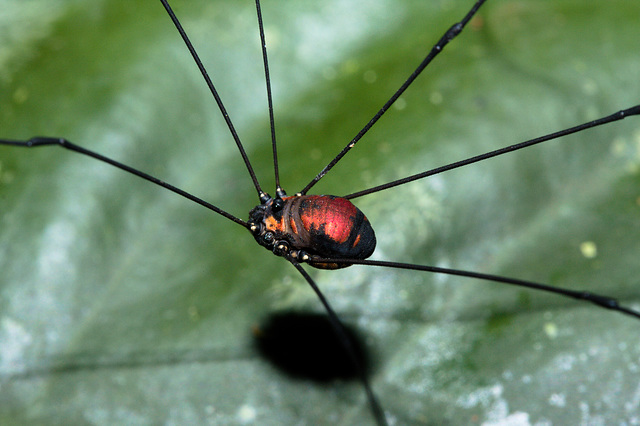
(309, 228)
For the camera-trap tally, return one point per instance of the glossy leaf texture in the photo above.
(123, 303)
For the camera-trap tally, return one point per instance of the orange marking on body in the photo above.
(292, 224)
(272, 224)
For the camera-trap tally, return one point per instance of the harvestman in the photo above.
(296, 227)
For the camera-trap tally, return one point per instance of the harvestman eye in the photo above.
(325, 231)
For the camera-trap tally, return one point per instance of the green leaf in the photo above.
(123, 303)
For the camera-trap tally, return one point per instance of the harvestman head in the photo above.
(329, 232)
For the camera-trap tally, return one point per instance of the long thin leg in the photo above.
(451, 33)
(616, 116)
(214, 92)
(272, 121)
(597, 299)
(47, 141)
(376, 408)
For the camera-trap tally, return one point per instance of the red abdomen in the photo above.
(336, 227)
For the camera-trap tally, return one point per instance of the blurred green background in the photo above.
(123, 303)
